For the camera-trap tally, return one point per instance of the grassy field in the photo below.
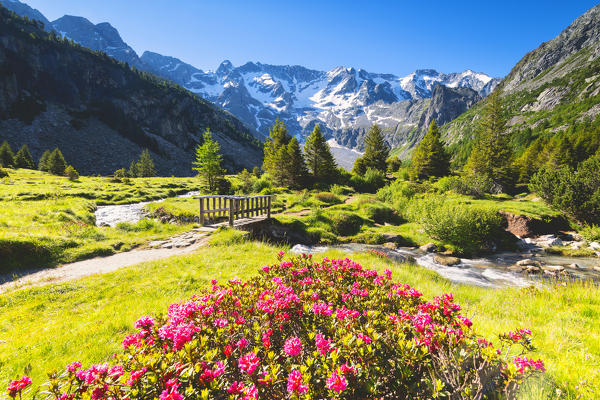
(47, 219)
(46, 327)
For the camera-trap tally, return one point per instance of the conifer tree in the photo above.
(7, 157)
(145, 167)
(23, 158)
(283, 159)
(430, 157)
(491, 157)
(43, 163)
(208, 161)
(320, 161)
(56, 162)
(297, 172)
(376, 150)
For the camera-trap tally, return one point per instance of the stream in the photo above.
(491, 271)
(132, 213)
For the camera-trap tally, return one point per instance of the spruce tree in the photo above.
(43, 163)
(208, 161)
(56, 163)
(376, 150)
(7, 157)
(145, 166)
(430, 157)
(275, 161)
(320, 161)
(23, 158)
(297, 172)
(491, 157)
(133, 171)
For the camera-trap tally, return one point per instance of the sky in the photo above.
(387, 36)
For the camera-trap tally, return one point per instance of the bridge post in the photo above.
(231, 210)
(269, 207)
(201, 212)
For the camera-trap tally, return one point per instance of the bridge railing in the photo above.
(231, 208)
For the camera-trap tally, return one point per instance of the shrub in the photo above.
(379, 213)
(120, 173)
(328, 198)
(306, 330)
(590, 232)
(3, 173)
(447, 183)
(576, 193)
(340, 190)
(71, 173)
(260, 184)
(141, 226)
(370, 182)
(469, 228)
(345, 223)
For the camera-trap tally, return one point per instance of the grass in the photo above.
(46, 219)
(569, 252)
(42, 328)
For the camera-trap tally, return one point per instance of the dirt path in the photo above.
(101, 265)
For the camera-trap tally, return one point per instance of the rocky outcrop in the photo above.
(100, 112)
(525, 227)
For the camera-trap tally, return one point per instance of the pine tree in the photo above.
(491, 157)
(376, 150)
(430, 157)
(319, 159)
(208, 162)
(7, 157)
(56, 163)
(297, 172)
(43, 163)
(145, 167)
(133, 171)
(275, 161)
(23, 158)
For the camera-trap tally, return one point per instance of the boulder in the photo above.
(390, 245)
(573, 266)
(553, 268)
(446, 260)
(595, 246)
(528, 261)
(428, 248)
(524, 226)
(597, 269)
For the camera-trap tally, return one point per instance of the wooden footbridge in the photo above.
(235, 211)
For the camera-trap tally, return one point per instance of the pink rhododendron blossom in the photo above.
(74, 366)
(145, 322)
(16, 387)
(293, 347)
(135, 376)
(248, 363)
(295, 383)
(524, 363)
(337, 382)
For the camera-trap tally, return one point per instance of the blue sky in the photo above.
(377, 35)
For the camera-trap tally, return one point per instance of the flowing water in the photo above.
(132, 213)
(491, 271)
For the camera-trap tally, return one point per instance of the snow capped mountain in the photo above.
(344, 101)
(340, 99)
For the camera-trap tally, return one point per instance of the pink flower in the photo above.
(15, 387)
(293, 346)
(323, 345)
(295, 384)
(337, 382)
(221, 323)
(135, 376)
(235, 388)
(172, 394)
(251, 393)
(248, 363)
(364, 338)
(227, 350)
(524, 363)
(116, 371)
(219, 369)
(144, 323)
(347, 369)
(242, 343)
(322, 308)
(464, 320)
(266, 338)
(74, 366)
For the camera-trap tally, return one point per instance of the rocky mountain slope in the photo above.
(552, 90)
(99, 111)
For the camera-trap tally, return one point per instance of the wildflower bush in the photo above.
(303, 329)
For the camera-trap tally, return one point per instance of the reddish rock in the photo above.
(524, 226)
